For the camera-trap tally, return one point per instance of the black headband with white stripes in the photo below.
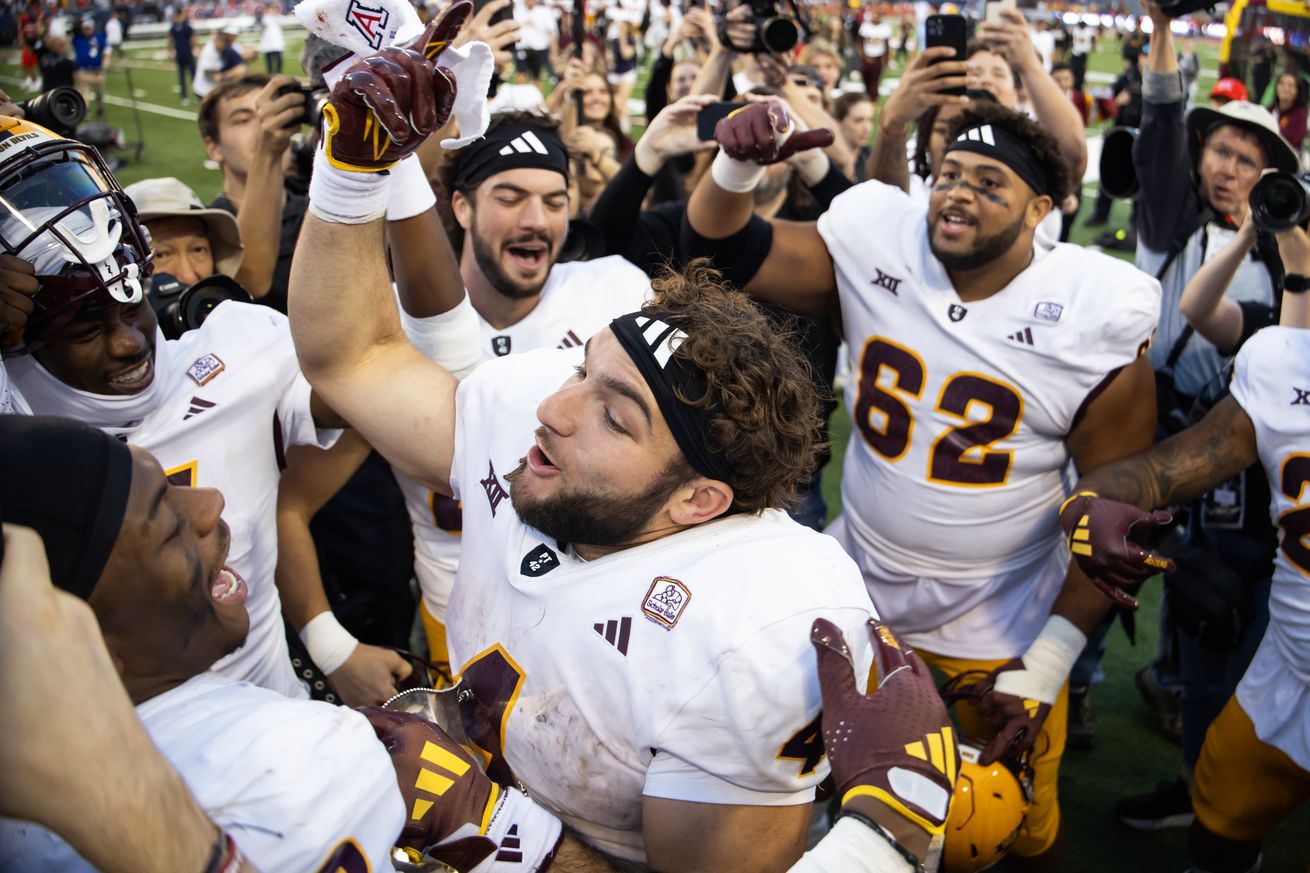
(511, 147)
(651, 343)
(1001, 144)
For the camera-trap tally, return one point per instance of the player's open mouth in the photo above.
(540, 463)
(229, 589)
(135, 377)
(953, 223)
(529, 257)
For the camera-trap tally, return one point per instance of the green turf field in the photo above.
(1129, 756)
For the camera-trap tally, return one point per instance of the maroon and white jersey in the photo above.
(578, 300)
(960, 410)
(681, 668)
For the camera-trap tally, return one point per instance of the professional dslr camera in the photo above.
(775, 32)
(180, 308)
(59, 110)
(1280, 201)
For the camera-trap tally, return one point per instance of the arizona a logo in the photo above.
(370, 21)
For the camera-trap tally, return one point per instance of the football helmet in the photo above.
(62, 210)
(987, 810)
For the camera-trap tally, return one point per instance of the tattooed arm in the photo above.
(1183, 467)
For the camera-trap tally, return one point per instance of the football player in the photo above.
(508, 218)
(1254, 768)
(632, 604)
(217, 406)
(292, 782)
(984, 362)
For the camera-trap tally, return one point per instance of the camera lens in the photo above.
(779, 35)
(67, 107)
(1282, 201)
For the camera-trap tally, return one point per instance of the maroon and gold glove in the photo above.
(1097, 533)
(763, 133)
(444, 789)
(387, 104)
(895, 744)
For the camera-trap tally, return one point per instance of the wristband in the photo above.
(329, 643)
(452, 339)
(537, 835)
(852, 848)
(344, 197)
(411, 195)
(1046, 664)
(733, 175)
(224, 857)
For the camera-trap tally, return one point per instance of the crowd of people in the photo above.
(445, 493)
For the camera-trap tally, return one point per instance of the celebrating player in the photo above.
(631, 618)
(984, 363)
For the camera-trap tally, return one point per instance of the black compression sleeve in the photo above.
(737, 257)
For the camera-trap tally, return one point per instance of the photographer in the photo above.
(1196, 173)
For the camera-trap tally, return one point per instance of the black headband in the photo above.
(69, 482)
(651, 342)
(511, 147)
(1004, 146)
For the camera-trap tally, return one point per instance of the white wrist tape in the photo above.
(411, 194)
(850, 847)
(328, 642)
(733, 175)
(343, 197)
(536, 835)
(1047, 662)
(452, 339)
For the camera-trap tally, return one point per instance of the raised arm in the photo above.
(1160, 153)
(919, 90)
(1203, 304)
(344, 321)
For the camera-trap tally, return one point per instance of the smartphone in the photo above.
(994, 7)
(948, 30)
(709, 117)
(503, 15)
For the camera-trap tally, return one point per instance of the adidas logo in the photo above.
(570, 340)
(978, 134)
(616, 632)
(1024, 336)
(524, 143)
(198, 405)
(509, 847)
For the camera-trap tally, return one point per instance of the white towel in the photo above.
(366, 29)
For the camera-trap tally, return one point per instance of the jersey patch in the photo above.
(891, 283)
(666, 600)
(957, 312)
(1048, 311)
(205, 369)
(495, 491)
(370, 21)
(500, 345)
(539, 561)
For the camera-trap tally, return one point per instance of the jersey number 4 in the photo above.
(964, 455)
(1294, 479)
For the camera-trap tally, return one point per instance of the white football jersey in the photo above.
(1272, 383)
(681, 668)
(231, 399)
(959, 411)
(579, 299)
(11, 402)
(294, 782)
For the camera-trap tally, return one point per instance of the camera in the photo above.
(60, 110)
(315, 99)
(1118, 173)
(774, 32)
(180, 308)
(1281, 201)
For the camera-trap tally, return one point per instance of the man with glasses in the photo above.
(1196, 171)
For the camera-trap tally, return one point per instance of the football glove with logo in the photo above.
(894, 745)
(1015, 698)
(387, 104)
(1097, 533)
(763, 133)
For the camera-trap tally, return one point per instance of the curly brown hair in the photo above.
(764, 411)
(1044, 146)
(448, 170)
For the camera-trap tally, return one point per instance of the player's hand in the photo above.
(1011, 40)
(427, 762)
(764, 133)
(276, 115)
(1097, 533)
(18, 284)
(1017, 719)
(921, 88)
(387, 104)
(369, 676)
(867, 737)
